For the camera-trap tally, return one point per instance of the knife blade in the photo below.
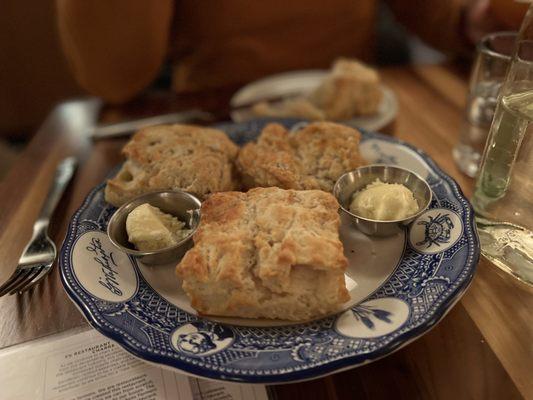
(127, 127)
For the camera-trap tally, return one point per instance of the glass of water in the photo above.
(503, 196)
(493, 57)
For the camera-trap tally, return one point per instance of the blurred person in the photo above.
(116, 48)
(33, 73)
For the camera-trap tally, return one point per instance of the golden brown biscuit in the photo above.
(312, 158)
(298, 107)
(192, 158)
(267, 253)
(351, 89)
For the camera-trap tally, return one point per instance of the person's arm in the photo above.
(114, 47)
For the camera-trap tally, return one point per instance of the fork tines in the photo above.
(22, 279)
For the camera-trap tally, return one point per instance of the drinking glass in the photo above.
(503, 196)
(493, 57)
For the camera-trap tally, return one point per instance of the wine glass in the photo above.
(503, 196)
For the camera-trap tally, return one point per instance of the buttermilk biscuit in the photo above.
(351, 89)
(312, 158)
(298, 107)
(192, 158)
(267, 253)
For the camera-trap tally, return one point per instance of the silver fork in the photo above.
(39, 254)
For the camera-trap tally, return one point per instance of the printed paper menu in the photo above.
(84, 365)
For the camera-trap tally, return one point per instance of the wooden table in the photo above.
(483, 349)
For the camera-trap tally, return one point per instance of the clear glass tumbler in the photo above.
(503, 196)
(493, 56)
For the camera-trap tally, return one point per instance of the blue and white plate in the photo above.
(400, 287)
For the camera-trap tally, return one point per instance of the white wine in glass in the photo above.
(503, 197)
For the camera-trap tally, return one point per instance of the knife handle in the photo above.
(64, 172)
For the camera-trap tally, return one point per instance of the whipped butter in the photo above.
(150, 229)
(384, 202)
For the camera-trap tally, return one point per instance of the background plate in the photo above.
(137, 307)
(302, 82)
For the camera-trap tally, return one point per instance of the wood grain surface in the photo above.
(483, 348)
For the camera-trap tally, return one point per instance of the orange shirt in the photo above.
(233, 41)
(116, 47)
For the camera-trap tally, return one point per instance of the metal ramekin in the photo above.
(178, 203)
(353, 181)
